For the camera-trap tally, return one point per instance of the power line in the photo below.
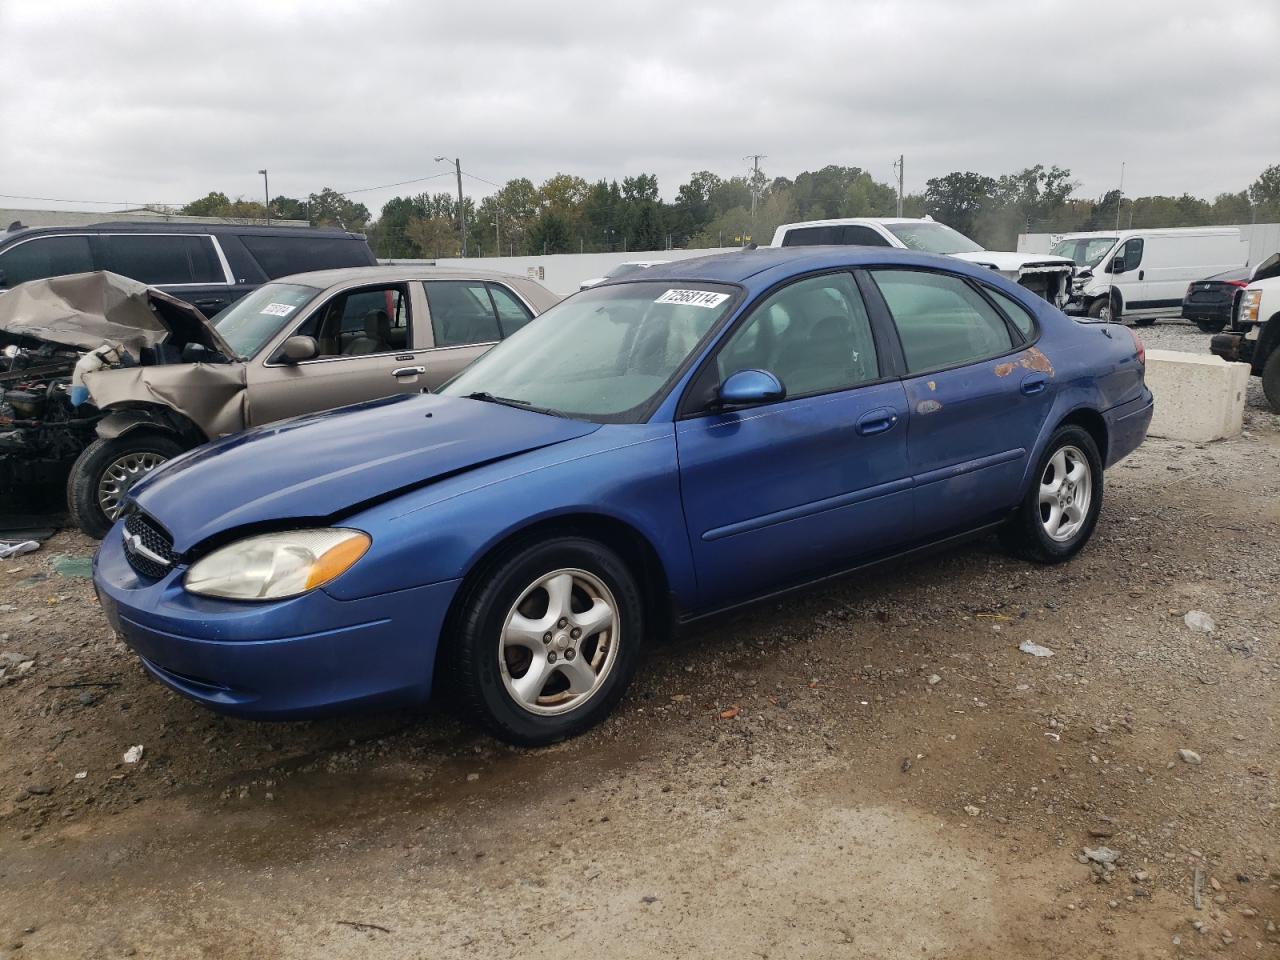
(385, 186)
(481, 179)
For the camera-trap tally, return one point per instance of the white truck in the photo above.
(1046, 276)
(1143, 274)
(1255, 337)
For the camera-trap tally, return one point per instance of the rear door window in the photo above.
(280, 256)
(461, 312)
(160, 259)
(512, 314)
(941, 320)
(43, 257)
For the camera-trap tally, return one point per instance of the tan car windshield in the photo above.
(249, 323)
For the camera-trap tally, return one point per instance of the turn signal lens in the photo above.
(1249, 305)
(1139, 346)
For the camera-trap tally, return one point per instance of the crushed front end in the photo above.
(41, 433)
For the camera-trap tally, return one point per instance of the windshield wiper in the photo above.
(487, 397)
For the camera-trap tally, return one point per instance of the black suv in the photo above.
(210, 266)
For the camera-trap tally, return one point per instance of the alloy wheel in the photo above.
(559, 642)
(120, 477)
(1066, 491)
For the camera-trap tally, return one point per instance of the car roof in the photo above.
(1151, 232)
(846, 221)
(764, 266)
(183, 226)
(408, 271)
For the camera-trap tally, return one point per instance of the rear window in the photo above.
(163, 259)
(43, 257)
(283, 255)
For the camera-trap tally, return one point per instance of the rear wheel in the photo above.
(106, 471)
(1211, 326)
(549, 639)
(1060, 510)
(1271, 379)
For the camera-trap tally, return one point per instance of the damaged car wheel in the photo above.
(105, 472)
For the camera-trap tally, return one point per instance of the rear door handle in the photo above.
(408, 371)
(876, 421)
(1034, 383)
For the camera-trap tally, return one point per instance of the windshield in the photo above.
(932, 238)
(249, 323)
(605, 354)
(1085, 251)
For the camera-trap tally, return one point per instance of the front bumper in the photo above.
(291, 658)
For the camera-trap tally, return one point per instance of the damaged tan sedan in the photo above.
(119, 377)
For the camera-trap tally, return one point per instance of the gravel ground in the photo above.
(872, 769)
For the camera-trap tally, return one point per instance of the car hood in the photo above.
(317, 467)
(1016, 262)
(86, 310)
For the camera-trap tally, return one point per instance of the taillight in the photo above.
(1236, 283)
(1138, 345)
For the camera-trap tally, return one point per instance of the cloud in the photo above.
(162, 102)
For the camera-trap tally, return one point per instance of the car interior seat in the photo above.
(377, 335)
(820, 360)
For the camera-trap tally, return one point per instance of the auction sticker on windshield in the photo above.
(693, 298)
(278, 309)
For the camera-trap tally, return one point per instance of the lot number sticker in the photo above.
(693, 298)
(277, 309)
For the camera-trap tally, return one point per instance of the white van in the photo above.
(1143, 274)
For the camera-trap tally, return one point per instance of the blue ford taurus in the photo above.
(650, 451)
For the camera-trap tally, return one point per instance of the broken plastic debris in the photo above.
(16, 548)
(133, 754)
(82, 774)
(1199, 621)
(1026, 646)
(1102, 854)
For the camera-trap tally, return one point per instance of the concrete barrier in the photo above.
(1199, 397)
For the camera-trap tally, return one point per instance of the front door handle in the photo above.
(1034, 383)
(408, 371)
(876, 421)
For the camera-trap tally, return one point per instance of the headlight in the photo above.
(277, 565)
(1249, 305)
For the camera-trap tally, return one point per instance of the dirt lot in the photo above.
(872, 769)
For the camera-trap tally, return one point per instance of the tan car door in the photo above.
(464, 324)
(369, 347)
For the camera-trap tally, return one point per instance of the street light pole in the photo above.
(462, 214)
(266, 195)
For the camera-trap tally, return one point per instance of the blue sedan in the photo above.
(650, 451)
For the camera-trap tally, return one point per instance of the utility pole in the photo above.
(1120, 195)
(266, 194)
(755, 159)
(899, 167)
(462, 213)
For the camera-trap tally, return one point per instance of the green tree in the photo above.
(550, 232)
(211, 204)
(330, 208)
(1264, 194)
(958, 198)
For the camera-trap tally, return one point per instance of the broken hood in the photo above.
(85, 310)
(1017, 263)
(314, 468)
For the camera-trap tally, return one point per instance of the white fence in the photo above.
(561, 273)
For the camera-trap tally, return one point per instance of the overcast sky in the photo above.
(162, 102)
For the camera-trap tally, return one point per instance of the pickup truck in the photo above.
(1255, 337)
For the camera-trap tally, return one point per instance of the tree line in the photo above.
(568, 214)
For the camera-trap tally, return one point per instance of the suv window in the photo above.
(362, 322)
(814, 335)
(512, 314)
(161, 259)
(43, 257)
(811, 236)
(941, 320)
(461, 312)
(859, 235)
(280, 256)
(1016, 312)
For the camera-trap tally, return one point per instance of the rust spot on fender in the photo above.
(928, 406)
(1032, 359)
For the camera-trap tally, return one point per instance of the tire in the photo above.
(1271, 379)
(1028, 533)
(505, 629)
(1211, 326)
(1144, 321)
(1100, 309)
(89, 496)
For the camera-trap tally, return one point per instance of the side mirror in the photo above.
(747, 388)
(1116, 265)
(296, 349)
(194, 353)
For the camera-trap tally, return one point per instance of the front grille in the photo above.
(148, 548)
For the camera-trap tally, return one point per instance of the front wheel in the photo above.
(1271, 380)
(1060, 510)
(1144, 321)
(104, 473)
(548, 640)
(1211, 326)
(1100, 309)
